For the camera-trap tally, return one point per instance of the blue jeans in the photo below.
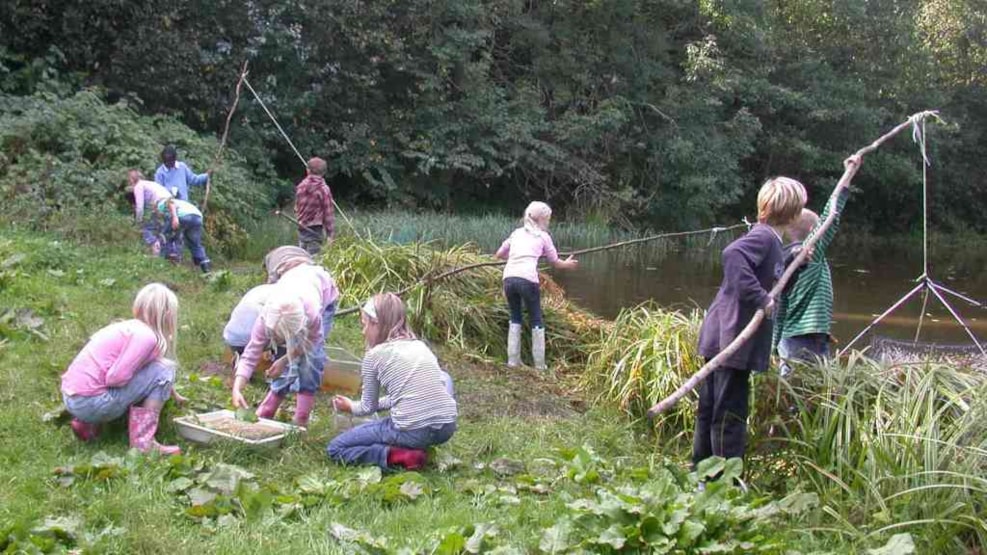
(802, 348)
(369, 443)
(189, 229)
(518, 290)
(305, 374)
(151, 231)
(153, 381)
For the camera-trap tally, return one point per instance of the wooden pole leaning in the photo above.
(226, 134)
(748, 332)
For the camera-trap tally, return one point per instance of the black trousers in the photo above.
(721, 419)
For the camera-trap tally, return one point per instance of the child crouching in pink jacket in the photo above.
(127, 366)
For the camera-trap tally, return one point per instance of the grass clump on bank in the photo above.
(890, 448)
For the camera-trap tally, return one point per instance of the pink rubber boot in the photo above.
(269, 407)
(85, 431)
(143, 426)
(303, 408)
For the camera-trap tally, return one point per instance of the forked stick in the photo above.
(755, 322)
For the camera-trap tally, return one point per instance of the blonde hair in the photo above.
(536, 217)
(780, 200)
(157, 306)
(284, 317)
(388, 312)
(803, 225)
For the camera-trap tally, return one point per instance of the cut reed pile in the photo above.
(466, 310)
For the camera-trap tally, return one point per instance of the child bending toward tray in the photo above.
(298, 316)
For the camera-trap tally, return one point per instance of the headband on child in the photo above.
(369, 309)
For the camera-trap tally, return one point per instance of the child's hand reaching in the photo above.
(277, 368)
(769, 308)
(178, 397)
(237, 397)
(855, 161)
(342, 403)
(567, 264)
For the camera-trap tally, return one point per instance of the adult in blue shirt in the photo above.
(176, 176)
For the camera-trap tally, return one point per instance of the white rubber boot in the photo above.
(538, 347)
(514, 345)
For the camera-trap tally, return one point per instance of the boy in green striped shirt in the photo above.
(802, 324)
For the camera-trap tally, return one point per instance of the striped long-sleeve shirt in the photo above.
(807, 306)
(416, 394)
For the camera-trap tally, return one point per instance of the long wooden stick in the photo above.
(449, 273)
(755, 322)
(226, 133)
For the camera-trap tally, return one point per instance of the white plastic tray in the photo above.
(193, 429)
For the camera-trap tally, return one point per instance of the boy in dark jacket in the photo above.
(751, 265)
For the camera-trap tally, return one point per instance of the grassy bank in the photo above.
(542, 462)
(525, 452)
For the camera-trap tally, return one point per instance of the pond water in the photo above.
(867, 281)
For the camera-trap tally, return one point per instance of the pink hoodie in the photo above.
(316, 290)
(111, 358)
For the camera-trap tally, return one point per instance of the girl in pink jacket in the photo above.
(127, 366)
(522, 250)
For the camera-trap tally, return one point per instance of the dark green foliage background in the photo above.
(659, 113)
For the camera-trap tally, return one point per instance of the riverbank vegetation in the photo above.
(633, 113)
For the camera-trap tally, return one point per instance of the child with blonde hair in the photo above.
(751, 265)
(522, 249)
(422, 410)
(298, 315)
(805, 310)
(128, 365)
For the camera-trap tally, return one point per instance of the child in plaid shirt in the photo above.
(313, 208)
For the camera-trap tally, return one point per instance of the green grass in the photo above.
(75, 290)
(487, 232)
(55, 293)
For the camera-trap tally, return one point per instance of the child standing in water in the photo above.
(522, 249)
(751, 265)
(127, 366)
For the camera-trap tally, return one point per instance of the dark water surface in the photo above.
(867, 281)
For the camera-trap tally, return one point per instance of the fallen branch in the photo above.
(226, 133)
(755, 322)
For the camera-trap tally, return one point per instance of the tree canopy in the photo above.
(658, 113)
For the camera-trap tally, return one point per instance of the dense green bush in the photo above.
(660, 113)
(65, 158)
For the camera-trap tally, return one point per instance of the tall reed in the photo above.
(892, 449)
(466, 310)
(642, 357)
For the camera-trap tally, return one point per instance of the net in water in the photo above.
(898, 351)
